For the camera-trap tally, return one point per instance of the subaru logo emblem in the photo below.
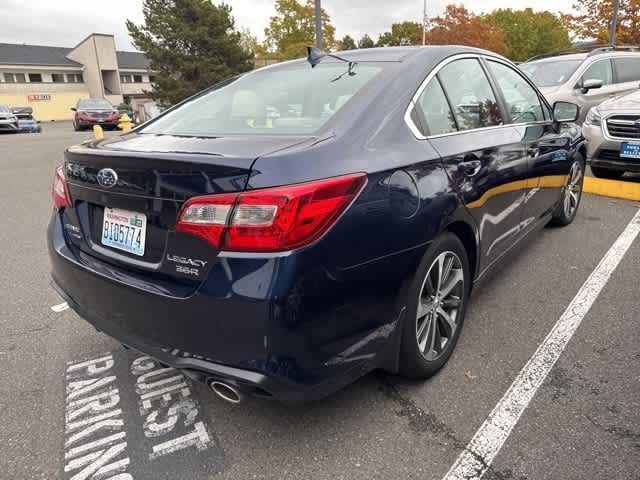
(107, 177)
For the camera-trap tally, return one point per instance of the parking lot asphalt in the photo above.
(584, 422)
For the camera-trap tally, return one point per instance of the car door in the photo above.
(599, 70)
(546, 148)
(481, 154)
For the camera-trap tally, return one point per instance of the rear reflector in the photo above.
(59, 189)
(270, 219)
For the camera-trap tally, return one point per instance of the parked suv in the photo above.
(587, 78)
(612, 131)
(95, 111)
(290, 229)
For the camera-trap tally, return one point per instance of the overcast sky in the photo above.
(66, 22)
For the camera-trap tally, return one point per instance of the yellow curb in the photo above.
(612, 188)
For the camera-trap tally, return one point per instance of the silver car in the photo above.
(8, 121)
(586, 79)
(612, 131)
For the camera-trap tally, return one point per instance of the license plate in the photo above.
(124, 230)
(630, 150)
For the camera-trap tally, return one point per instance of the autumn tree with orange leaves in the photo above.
(458, 26)
(593, 17)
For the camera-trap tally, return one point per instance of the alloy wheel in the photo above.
(439, 304)
(573, 190)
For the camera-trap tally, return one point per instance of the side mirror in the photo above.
(73, 109)
(565, 112)
(591, 84)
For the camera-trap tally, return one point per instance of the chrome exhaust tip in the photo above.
(225, 391)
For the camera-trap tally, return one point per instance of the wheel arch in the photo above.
(469, 238)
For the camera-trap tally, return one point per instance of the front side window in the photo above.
(627, 69)
(522, 101)
(600, 70)
(470, 95)
(35, 78)
(295, 99)
(434, 106)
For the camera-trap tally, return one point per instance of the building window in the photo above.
(57, 77)
(14, 78)
(137, 78)
(152, 78)
(74, 78)
(125, 78)
(35, 77)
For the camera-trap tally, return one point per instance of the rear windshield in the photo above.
(550, 74)
(94, 103)
(294, 100)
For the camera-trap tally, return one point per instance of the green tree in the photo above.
(528, 33)
(405, 33)
(293, 29)
(347, 43)
(366, 42)
(191, 44)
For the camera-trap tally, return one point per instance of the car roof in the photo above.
(583, 56)
(397, 54)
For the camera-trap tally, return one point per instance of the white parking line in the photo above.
(61, 307)
(477, 457)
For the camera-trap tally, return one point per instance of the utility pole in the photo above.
(318, 25)
(424, 23)
(614, 23)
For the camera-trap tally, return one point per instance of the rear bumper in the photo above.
(270, 326)
(90, 123)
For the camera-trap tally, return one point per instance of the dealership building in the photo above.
(52, 79)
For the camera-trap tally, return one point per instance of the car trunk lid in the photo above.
(154, 175)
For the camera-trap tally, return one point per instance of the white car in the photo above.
(8, 121)
(612, 131)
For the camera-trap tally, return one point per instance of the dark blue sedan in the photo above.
(289, 230)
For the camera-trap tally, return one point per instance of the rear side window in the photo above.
(522, 101)
(600, 70)
(627, 69)
(435, 108)
(472, 99)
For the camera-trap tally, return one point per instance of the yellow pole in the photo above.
(98, 133)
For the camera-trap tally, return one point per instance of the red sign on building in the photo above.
(39, 97)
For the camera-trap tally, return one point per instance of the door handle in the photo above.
(470, 168)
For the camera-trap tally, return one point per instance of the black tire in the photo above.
(601, 172)
(76, 128)
(413, 360)
(567, 208)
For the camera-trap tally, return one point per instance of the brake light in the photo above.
(59, 189)
(270, 219)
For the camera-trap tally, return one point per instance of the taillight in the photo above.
(270, 219)
(59, 189)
